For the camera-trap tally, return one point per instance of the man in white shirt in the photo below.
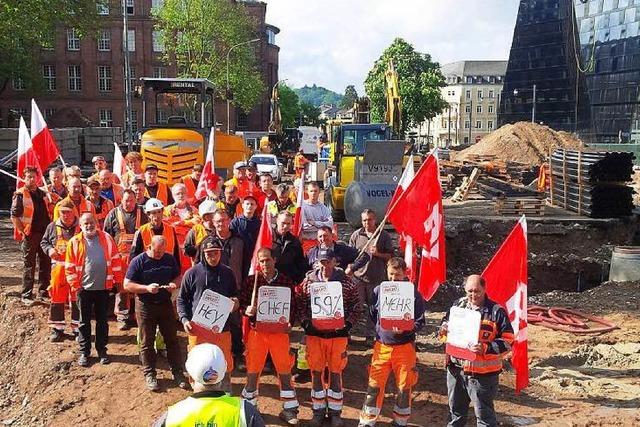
(314, 216)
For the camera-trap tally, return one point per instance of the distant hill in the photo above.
(317, 95)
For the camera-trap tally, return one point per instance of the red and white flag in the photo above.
(43, 142)
(119, 166)
(264, 240)
(506, 277)
(26, 154)
(418, 214)
(406, 242)
(296, 229)
(209, 180)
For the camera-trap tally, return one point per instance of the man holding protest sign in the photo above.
(397, 310)
(208, 321)
(328, 305)
(473, 367)
(151, 277)
(270, 309)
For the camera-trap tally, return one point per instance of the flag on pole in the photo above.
(418, 214)
(405, 241)
(506, 277)
(26, 154)
(119, 167)
(43, 142)
(208, 183)
(264, 240)
(298, 216)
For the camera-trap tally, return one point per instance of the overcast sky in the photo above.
(334, 43)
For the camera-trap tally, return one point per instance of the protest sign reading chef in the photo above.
(327, 311)
(274, 309)
(396, 302)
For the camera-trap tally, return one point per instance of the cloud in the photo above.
(333, 43)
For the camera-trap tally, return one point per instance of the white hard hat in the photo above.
(206, 364)
(240, 164)
(153, 205)
(207, 207)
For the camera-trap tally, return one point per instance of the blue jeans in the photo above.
(463, 389)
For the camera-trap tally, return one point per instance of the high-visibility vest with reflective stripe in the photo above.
(61, 241)
(84, 207)
(105, 207)
(75, 259)
(146, 233)
(125, 240)
(27, 210)
(162, 194)
(224, 411)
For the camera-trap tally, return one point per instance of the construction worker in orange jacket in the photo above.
(182, 216)
(191, 184)
(133, 160)
(477, 380)
(30, 217)
(54, 244)
(394, 351)
(101, 205)
(300, 163)
(200, 231)
(100, 164)
(109, 189)
(93, 267)
(154, 188)
(76, 195)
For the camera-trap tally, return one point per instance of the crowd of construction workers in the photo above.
(143, 252)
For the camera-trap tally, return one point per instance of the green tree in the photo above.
(350, 97)
(29, 26)
(197, 35)
(289, 106)
(420, 81)
(309, 114)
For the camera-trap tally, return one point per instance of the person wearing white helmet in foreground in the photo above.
(209, 405)
(199, 232)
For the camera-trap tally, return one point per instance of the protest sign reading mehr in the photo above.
(396, 304)
(327, 311)
(274, 309)
(463, 330)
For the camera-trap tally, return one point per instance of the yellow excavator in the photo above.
(174, 136)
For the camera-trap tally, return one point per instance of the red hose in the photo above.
(567, 320)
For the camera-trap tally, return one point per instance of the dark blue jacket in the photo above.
(247, 229)
(390, 337)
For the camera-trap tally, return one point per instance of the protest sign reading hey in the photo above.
(211, 313)
(273, 309)
(463, 330)
(327, 311)
(396, 302)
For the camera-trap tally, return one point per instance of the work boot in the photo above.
(336, 421)
(152, 382)
(43, 296)
(180, 380)
(318, 418)
(104, 359)
(289, 416)
(83, 360)
(123, 326)
(27, 300)
(56, 335)
(302, 376)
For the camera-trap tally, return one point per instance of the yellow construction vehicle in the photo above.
(174, 138)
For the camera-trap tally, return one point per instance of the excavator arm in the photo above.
(393, 114)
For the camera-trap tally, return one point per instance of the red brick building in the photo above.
(86, 75)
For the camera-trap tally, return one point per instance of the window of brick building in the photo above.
(104, 41)
(478, 124)
(73, 39)
(159, 72)
(103, 7)
(156, 37)
(132, 77)
(490, 109)
(480, 94)
(157, 3)
(75, 78)
(106, 118)
(130, 7)
(18, 83)
(131, 40)
(49, 75)
(491, 94)
(243, 119)
(490, 124)
(134, 121)
(49, 112)
(468, 94)
(104, 78)
(479, 109)
(13, 117)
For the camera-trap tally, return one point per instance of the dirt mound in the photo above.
(522, 142)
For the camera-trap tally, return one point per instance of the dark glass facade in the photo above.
(544, 54)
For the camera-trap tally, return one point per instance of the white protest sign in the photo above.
(327, 311)
(463, 330)
(274, 309)
(396, 303)
(212, 311)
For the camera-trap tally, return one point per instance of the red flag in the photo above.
(44, 144)
(418, 214)
(406, 242)
(296, 229)
(26, 154)
(506, 277)
(208, 183)
(264, 240)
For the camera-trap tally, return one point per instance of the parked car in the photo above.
(268, 163)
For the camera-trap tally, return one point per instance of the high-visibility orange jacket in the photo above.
(28, 209)
(192, 186)
(105, 207)
(168, 232)
(83, 207)
(162, 194)
(75, 259)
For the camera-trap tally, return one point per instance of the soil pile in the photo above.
(522, 142)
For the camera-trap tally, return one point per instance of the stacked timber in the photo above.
(592, 183)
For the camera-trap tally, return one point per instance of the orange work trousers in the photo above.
(259, 344)
(222, 340)
(61, 297)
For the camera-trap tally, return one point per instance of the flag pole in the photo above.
(255, 288)
(16, 177)
(64, 165)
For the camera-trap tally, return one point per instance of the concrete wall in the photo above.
(77, 145)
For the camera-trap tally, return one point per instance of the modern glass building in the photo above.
(583, 56)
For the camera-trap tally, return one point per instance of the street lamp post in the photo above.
(227, 94)
(533, 109)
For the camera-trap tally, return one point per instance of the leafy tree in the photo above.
(289, 107)
(197, 35)
(309, 114)
(317, 95)
(28, 26)
(420, 81)
(350, 96)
